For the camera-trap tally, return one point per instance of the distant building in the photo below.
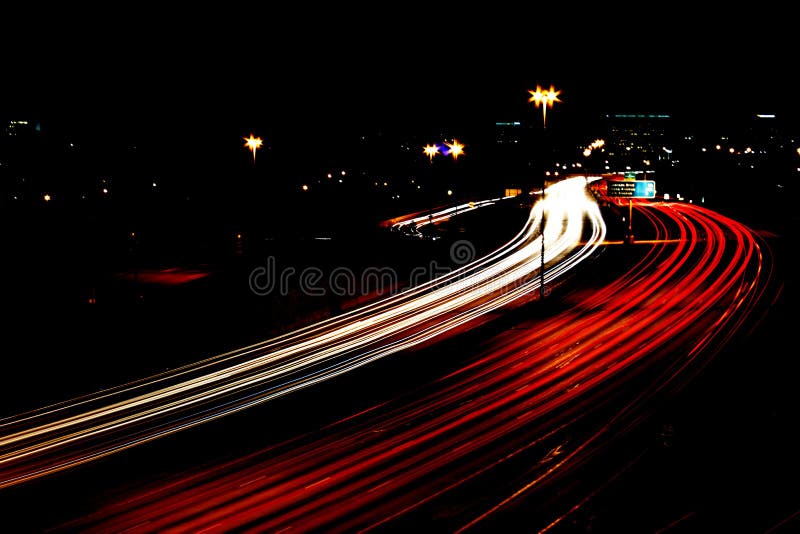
(21, 127)
(635, 141)
(512, 153)
(766, 135)
(763, 141)
(508, 133)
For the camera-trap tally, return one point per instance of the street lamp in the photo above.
(431, 151)
(253, 143)
(455, 149)
(543, 99)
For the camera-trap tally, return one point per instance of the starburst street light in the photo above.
(253, 143)
(455, 149)
(431, 151)
(544, 99)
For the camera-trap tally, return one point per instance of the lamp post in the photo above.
(253, 143)
(454, 149)
(544, 99)
(431, 151)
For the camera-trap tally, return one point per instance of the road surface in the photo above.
(81, 430)
(525, 411)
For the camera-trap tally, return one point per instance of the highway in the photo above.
(421, 219)
(534, 403)
(77, 431)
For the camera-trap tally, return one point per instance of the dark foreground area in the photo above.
(88, 306)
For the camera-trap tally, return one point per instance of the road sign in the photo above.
(632, 188)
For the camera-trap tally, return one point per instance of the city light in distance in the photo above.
(596, 144)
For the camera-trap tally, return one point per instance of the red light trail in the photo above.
(558, 390)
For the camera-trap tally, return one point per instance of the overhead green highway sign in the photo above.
(632, 188)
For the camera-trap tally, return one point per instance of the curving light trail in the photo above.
(57, 437)
(538, 402)
(420, 219)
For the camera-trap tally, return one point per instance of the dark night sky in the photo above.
(316, 78)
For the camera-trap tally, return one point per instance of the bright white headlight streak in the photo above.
(444, 214)
(78, 431)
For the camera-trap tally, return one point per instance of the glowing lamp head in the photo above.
(430, 151)
(455, 149)
(253, 144)
(544, 98)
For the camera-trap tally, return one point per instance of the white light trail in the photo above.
(77, 431)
